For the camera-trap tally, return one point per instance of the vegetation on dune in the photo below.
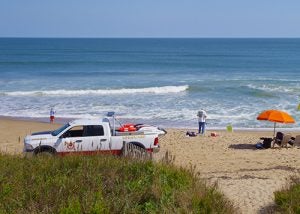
(102, 184)
(288, 199)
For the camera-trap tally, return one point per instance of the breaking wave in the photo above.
(153, 90)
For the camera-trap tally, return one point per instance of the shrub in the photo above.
(288, 199)
(102, 184)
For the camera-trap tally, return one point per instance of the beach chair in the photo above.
(278, 139)
(285, 140)
(296, 142)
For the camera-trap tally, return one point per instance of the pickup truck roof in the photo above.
(83, 122)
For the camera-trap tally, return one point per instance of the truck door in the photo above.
(97, 140)
(73, 140)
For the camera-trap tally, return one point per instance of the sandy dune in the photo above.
(245, 175)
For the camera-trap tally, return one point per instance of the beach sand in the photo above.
(12, 133)
(245, 175)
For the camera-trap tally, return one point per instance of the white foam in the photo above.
(274, 88)
(155, 90)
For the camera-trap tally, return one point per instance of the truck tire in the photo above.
(45, 151)
(138, 144)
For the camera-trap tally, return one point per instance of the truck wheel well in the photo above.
(138, 144)
(41, 149)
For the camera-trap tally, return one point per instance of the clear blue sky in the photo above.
(150, 18)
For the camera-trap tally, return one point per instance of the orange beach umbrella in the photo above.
(275, 116)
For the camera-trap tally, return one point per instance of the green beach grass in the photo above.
(288, 199)
(103, 184)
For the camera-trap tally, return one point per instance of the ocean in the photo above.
(158, 81)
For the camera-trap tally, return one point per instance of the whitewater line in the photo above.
(154, 90)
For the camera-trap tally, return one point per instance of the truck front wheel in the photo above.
(44, 151)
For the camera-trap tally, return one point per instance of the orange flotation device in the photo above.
(129, 127)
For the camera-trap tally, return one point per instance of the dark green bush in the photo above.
(102, 184)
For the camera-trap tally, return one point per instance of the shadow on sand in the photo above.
(242, 146)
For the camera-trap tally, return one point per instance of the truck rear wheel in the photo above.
(136, 144)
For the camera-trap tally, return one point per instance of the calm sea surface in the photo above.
(158, 81)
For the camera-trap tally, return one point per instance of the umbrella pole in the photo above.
(274, 129)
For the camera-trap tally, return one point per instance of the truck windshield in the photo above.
(57, 131)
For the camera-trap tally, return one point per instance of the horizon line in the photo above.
(50, 37)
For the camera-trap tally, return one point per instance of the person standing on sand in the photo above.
(201, 121)
(52, 113)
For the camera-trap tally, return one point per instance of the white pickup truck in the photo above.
(85, 136)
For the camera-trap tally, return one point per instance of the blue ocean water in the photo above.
(158, 81)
